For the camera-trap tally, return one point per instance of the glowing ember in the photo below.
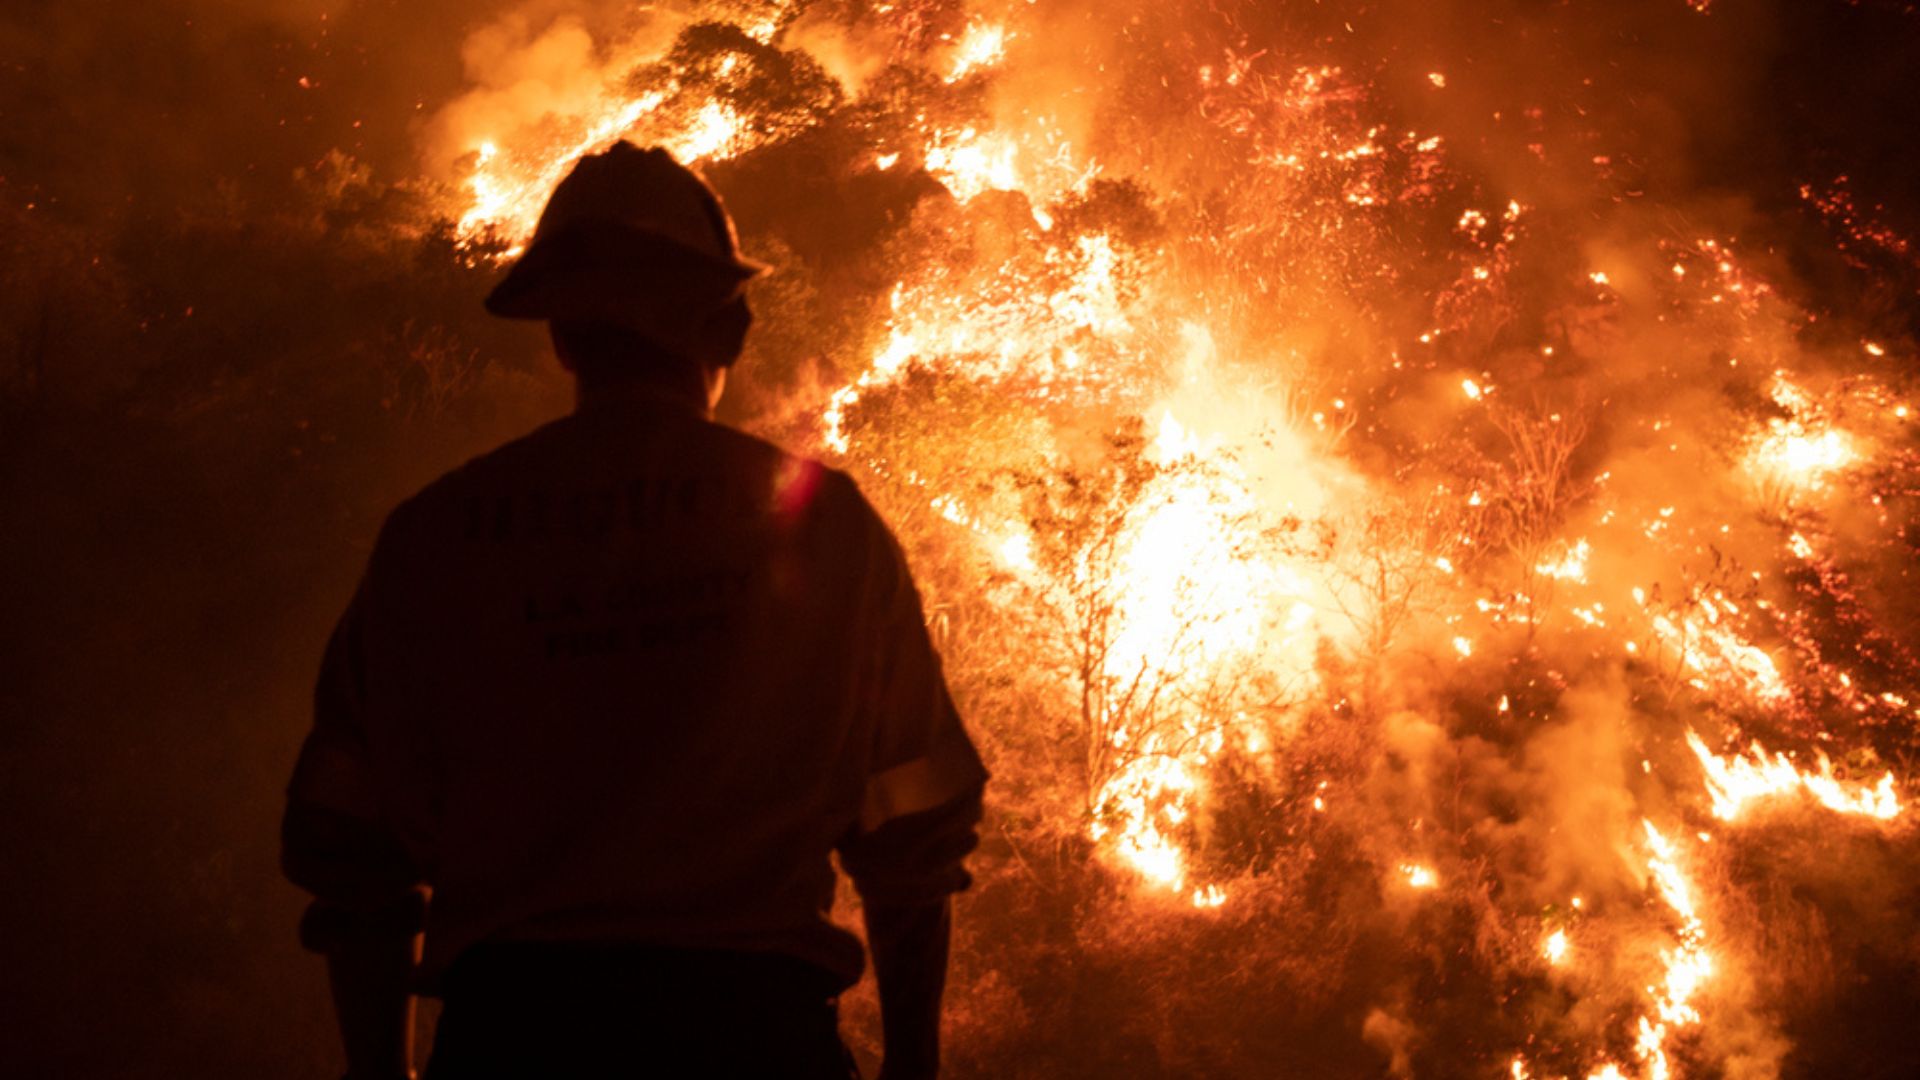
(1555, 948)
(1212, 896)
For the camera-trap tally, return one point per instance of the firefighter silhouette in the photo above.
(611, 695)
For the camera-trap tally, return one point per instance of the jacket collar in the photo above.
(624, 394)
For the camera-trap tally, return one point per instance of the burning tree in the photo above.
(1149, 568)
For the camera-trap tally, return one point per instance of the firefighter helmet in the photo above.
(633, 238)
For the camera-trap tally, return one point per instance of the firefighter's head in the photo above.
(635, 266)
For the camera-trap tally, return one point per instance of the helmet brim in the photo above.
(616, 273)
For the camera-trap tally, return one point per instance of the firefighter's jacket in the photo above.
(631, 679)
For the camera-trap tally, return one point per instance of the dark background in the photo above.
(224, 354)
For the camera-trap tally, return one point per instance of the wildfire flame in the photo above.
(1241, 545)
(1800, 451)
(1735, 781)
(1688, 964)
(1555, 948)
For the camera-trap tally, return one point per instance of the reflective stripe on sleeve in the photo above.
(949, 770)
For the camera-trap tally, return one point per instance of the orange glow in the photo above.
(1555, 948)
(1801, 451)
(983, 45)
(1392, 528)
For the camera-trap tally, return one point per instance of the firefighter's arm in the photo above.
(909, 946)
(906, 871)
(917, 817)
(368, 906)
(371, 956)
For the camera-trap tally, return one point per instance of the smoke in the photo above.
(535, 66)
(1394, 1036)
(852, 52)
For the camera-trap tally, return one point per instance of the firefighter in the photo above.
(608, 698)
